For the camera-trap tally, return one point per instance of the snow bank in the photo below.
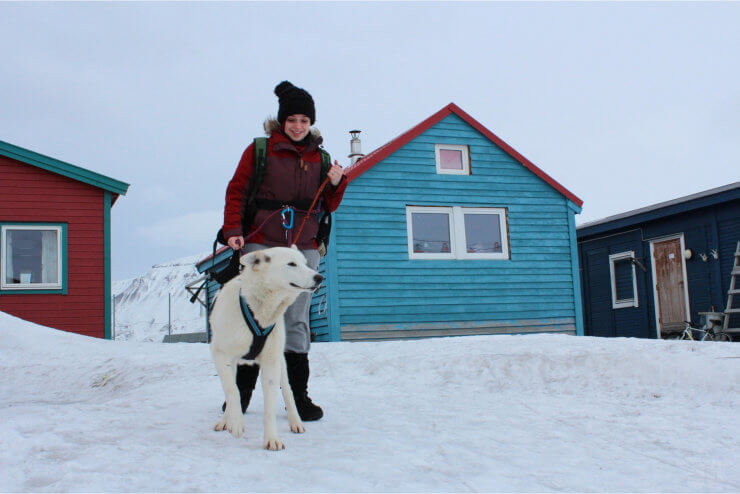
(485, 413)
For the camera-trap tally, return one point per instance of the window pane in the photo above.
(483, 233)
(31, 256)
(431, 232)
(450, 159)
(623, 280)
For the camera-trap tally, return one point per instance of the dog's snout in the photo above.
(318, 278)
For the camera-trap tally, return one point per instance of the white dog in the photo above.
(269, 283)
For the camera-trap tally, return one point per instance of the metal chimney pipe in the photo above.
(355, 147)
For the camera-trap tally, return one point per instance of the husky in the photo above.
(269, 282)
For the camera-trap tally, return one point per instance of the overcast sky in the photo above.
(624, 104)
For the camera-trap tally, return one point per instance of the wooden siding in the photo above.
(31, 194)
(712, 227)
(379, 288)
(728, 235)
(601, 319)
(320, 308)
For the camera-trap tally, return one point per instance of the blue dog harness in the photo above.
(259, 334)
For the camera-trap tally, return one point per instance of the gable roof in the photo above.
(711, 197)
(61, 168)
(372, 159)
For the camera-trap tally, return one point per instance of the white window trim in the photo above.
(456, 218)
(29, 286)
(621, 304)
(459, 222)
(410, 232)
(453, 147)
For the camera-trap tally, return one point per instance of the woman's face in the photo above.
(297, 126)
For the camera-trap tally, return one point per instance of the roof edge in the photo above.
(62, 168)
(659, 210)
(370, 160)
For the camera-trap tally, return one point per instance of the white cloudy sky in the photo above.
(624, 104)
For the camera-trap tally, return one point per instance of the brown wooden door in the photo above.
(669, 281)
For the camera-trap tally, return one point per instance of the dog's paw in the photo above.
(220, 425)
(273, 444)
(297, 427)
(236, 427)
(234, 423)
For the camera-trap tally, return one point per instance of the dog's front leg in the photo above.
(270, 380)
(296, 424)
(232, 420)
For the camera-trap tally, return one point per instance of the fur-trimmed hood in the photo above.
(272, 125)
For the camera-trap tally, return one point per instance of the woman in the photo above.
(292, 177)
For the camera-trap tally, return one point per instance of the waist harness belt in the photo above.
(259, 334)
(272, 204)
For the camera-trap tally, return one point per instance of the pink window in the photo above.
(450, 159)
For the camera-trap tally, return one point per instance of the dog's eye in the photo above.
(292, 264)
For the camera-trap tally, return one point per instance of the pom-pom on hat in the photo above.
(293, 100)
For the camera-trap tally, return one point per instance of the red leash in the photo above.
(310, 209)
(303, 223)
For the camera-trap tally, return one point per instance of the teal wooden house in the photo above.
(446, 230)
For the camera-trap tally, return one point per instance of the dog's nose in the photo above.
(318, 278)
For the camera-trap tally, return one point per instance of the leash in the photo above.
(290, 211)
(310, 209)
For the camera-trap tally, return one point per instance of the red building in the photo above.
(55, 252)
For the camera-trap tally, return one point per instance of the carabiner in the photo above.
(287, 226)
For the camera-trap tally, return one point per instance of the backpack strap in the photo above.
(325, 163)
(260, 162)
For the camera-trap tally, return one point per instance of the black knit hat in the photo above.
(293, 100)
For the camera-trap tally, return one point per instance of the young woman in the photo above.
(292, 177)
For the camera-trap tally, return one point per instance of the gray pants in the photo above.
(298, 315)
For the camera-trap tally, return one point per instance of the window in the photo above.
(457, 233)
(31, 257)
(452, 159)
(623, 280)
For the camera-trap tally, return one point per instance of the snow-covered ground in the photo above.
(146, 306)
(485, 413)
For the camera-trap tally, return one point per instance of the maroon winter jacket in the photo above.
(292, 173)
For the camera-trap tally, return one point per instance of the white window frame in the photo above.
(623, 303)
(410, 232)
(459, 222)
(30, 286)
(456, 222)
(453, 147)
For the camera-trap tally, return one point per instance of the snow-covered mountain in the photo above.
(141, 311)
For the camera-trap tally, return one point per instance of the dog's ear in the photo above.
(253, 260)
(245, 260)
(294, 246)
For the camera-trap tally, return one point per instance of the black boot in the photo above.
(297, 364)
(246, 379)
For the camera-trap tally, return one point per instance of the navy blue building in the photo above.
(646, 271)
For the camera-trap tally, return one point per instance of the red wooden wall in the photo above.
(29, 193)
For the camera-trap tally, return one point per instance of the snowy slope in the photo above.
(486, 413)
(142, 304)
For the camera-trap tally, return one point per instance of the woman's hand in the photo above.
(236, 243)
(335, 173)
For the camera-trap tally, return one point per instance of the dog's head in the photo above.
(281, 268)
